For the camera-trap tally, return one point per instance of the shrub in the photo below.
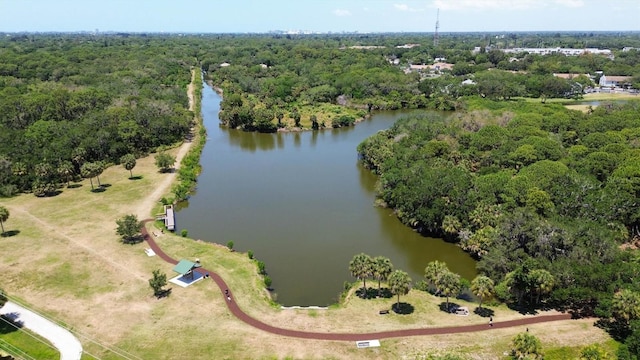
(344, 120)
(250, 254)
(261, 268)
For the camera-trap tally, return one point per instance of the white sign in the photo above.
(367, 343)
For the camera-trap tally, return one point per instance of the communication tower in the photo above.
(435, 35)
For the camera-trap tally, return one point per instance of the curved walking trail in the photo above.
(237, 312)
(63, 340)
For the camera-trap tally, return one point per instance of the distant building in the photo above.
(435, 68)
(407, 46)
(569, 76)
(615, 81)
(365, 47)
(558, 50)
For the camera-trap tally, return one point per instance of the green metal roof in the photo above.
(184, 266)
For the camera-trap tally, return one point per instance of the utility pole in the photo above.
(435, 36)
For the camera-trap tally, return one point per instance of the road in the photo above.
(63, 340)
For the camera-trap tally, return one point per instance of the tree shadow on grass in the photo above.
(10, 233)
(371, 293)
(402, 308)
(48, 194)
(452, 306)
(98, 190)
(133, 240)
(384, 293)
(523, 309)
(9, 323)
(163, 293)
(484, 312)
(137, 177)
(74, 186)
(105, 185)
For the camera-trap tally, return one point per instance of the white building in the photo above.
(614, 81)
(559, 50)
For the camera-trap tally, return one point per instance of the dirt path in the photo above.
(161, 188)
(237, 312)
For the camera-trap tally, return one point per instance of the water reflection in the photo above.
(303, 205)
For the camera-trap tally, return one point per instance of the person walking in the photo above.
(490, 320)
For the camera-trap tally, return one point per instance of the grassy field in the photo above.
(66, 261)
(14, 341)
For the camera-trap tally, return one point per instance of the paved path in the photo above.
(237, 312)
(68, 345)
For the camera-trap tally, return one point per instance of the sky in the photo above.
(218, 16)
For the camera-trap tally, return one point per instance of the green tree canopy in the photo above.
(4, 216)
(399, 284)
(164, 161)
(129, 228)
(128, 161)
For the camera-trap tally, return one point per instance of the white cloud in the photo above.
(341, 12)
(488, 4)
(502, 4)
(405, 7)
(570, 3)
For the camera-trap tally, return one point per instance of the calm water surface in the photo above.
(304, 205)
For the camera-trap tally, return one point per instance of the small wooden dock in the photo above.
(169, 218)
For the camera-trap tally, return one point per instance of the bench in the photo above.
(384, 312)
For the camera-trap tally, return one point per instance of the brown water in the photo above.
(304, 205)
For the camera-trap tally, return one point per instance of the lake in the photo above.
(304, 205)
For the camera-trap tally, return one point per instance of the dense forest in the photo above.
(525, 188)
(72, 99)
(66, 101)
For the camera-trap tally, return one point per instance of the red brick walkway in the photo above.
(237, 312)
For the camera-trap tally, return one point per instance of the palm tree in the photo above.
(361, 267)
(19, 169)
(433, 271)
(382, 268)
(98, 168)
(526, 346)
(482, 287)
(4, 215)
(66, 170)
(129, 162)
(626, 305)
(78, 156)
(86, 171)
(399, 284)
(449, 284)
(543, 282)
(450, 225)
(43, 171)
